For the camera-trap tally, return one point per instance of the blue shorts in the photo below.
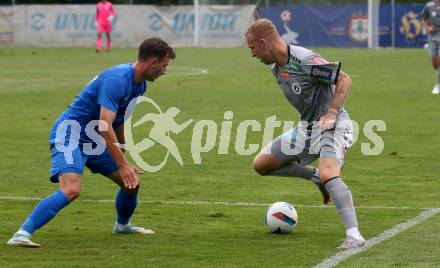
(102, 163)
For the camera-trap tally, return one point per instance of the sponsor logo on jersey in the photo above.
(318, 60)
(296, 89)
(295, 67)
(321, 72)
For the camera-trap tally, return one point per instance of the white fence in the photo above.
(74, 25)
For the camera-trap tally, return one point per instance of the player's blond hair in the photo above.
(262, 28)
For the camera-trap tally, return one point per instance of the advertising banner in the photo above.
(321, 25)
(7, 34)
(74, 25)
(346, 25)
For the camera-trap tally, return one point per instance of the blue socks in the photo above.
(125, 206)
(49, 207)
(45, 211)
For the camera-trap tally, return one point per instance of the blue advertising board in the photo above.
(346, 25)
(409, 30)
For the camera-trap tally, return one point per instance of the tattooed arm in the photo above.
(328, 120)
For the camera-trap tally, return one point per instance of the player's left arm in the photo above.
(112, 13)
(342, 87)
(120, 135)
(127, 173)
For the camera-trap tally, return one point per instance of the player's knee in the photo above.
(264, 162)
(327, 173)
(72, 193)
(259, 166)
(324, 175)
(70, 184)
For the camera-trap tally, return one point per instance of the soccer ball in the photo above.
(281, 217)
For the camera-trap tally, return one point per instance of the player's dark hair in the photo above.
(155, 47)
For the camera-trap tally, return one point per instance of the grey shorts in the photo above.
(434, 45)
(305, 143)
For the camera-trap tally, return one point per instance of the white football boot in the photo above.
(22, 241)
(351, 242)
(132, 229)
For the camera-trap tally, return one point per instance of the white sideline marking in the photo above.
(192, 71)
(340, 257)
(219, 203)
(386, 75)
(329, 262)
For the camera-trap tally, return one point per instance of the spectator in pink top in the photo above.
(104, 18)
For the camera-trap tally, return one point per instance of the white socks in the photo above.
(354, 232)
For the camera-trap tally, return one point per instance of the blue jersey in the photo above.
(113, 89)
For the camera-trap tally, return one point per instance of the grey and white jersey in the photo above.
(307, 82)
(431, 13)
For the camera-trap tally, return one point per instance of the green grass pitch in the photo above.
(36, 85)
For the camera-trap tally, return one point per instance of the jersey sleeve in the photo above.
(320, 69)
(111, 92)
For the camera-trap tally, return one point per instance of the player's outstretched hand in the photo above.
(129, 176)
(327, 121)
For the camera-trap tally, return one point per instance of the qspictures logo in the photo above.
(208, 134)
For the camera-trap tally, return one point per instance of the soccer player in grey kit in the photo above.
(317, 89)
(431, 23)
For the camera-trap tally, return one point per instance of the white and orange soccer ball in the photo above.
(281, 217)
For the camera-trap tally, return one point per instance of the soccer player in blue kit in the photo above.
(74, 146)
